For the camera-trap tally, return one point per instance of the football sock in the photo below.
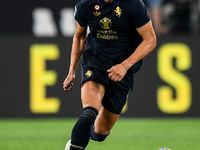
(81, 131)
(97, 137)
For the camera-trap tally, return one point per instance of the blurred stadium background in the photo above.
(35, 44)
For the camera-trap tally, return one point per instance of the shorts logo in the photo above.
(88, 73)
(118, 11)
(105, 23)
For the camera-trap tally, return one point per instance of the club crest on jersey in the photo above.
(88, 73)
(97, 13)
(118, 11)
(105, 23)
(97, 7)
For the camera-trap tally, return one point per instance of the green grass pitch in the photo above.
(127, 134)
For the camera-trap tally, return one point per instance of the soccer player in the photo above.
(121, 35)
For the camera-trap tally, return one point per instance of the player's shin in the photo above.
(81, 131)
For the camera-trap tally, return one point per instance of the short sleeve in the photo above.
(140, 16)
(79, 15)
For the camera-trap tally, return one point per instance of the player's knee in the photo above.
(97, 137)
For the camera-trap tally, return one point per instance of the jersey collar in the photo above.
(114, 2)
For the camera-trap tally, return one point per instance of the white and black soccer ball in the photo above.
(164, 149)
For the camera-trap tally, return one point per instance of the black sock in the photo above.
(81, 131)
(97, 137)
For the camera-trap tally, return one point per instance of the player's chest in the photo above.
(109, 18)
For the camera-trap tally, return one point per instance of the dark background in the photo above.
(16, 16)
(16, 38)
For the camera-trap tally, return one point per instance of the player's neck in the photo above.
(108, 1)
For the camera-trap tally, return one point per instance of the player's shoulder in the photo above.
(132, 3)
(86, 2)
(85, 5)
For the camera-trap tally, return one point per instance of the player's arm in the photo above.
(78, 46)
(146, 46)
(118, 72)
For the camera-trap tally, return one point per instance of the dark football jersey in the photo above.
(113, 33)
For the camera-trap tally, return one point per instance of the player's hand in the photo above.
(117, 72)
(68, 83)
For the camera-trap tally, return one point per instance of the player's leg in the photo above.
(91, 95)
(103, 125)
(113, 102)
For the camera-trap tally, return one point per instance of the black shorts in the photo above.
(95, 68)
